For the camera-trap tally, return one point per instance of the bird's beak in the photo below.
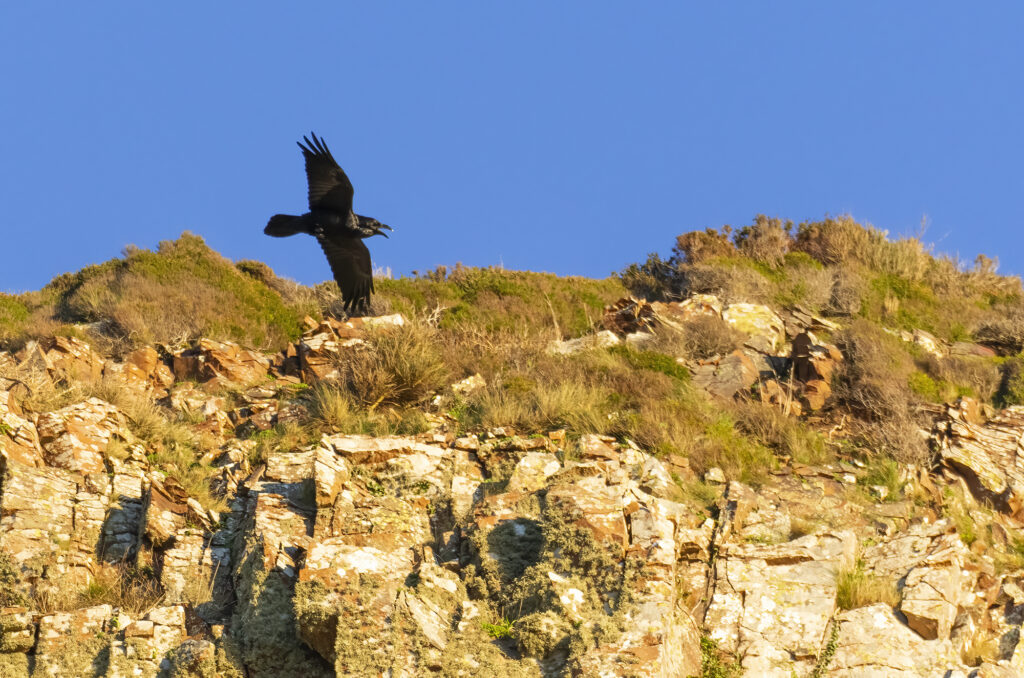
(380, 232)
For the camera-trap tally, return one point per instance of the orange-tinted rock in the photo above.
(72, 358)
(220, 363)
(629, 315)
(601, 512)
(19, 441)
(75, 438)
(726, 376)
(813, 365)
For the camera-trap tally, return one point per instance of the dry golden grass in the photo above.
(134, 590)
(857, 588)
(873, 383)
(700, 246)
(701, 338)
(784, 434)
(31, 385)
(401, 366)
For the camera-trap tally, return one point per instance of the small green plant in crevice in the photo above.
(883, 472)
(503, 629)
(375, 488)
(964, 523)
(826, 656)
(712, 664)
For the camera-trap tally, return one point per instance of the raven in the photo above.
(338, 229)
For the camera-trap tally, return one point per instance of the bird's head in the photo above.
(372, 227)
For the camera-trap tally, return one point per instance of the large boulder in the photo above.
(220, 363)
(872, 642)
(984, 452)
(765, 328)
(75, 437)
(813, 363)
(19, 440)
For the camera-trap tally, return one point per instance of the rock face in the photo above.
(484, 552)
(813, 363)
(220, 363)
(984, 453)
(75, 438)
(760, 323)
(726, 376)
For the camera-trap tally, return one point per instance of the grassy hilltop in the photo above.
(498, 323)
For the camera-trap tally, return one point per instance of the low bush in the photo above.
(708, 336)
(177, 294)
(698, 247)
(766, 240)
(1003, 331)
(873, 382)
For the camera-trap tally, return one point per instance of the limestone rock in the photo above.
(932, 590)
(470, 384)
(220, 363)
(691, 308)
(599, 510)
(727, 375)
(759, 322)
(985, 453)
(62, 627)
(19, 441)
(873, 643)
(121, 526)
(532, 471)
(964, 348)
(17, 630)
(928, 342)
(71, 358)
(602, 339)
(75, 438)
(351, 582)
(799, 320)
(165, 511)
(813, 365)
(772, 603)
(49, 517)
(142, 371)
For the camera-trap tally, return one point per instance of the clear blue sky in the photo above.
(572, 137)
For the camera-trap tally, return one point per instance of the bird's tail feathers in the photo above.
(282, 225)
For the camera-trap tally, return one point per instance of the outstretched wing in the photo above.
(329, 187)
(350, 263)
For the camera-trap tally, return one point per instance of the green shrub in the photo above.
(712, 662)
(1011, 385)
(11, 585)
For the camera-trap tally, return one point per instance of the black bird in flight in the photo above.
(338, 229)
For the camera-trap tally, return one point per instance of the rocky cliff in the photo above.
(337, 508)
